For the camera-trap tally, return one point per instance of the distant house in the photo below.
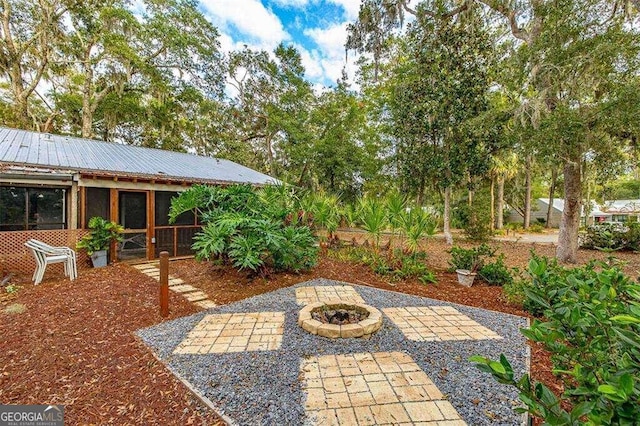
(609, 211)
(620, 211)
(539, 209)
(51, 185)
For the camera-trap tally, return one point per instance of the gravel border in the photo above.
(265, 388)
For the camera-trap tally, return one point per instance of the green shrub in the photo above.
(592, 330)
(536, 228)
(514, 292)
(496, 273)
(612, 237)
(397, 264)
(469, 259)
(253, 230)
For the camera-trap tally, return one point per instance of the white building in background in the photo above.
(609, 211)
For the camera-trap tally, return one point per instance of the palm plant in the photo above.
(396, 205)
(416, 224)
(324, 211)
(374, 219)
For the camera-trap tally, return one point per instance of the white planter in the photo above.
(466, 277)
(99, 258)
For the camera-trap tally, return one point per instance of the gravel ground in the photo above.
(264, 387)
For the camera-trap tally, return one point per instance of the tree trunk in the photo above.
(552, 190)
(87, 95)
(527, 196)
(569, 226)
(447, 216)
(493, 202)
(500, 206)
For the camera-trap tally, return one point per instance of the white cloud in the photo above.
(313, 69)
(330, 54)
(330, 40)
(291, 3)
(350, 7)
(250, 18)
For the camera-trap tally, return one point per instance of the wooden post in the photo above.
(164, 283)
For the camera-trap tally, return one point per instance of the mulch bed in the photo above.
(74, 345)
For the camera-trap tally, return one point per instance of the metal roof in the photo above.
(21, 147)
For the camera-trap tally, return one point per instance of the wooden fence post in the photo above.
(164, 283)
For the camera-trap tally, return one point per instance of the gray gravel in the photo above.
(263, 388)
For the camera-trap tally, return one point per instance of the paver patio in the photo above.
(437, 323)
(346, 293)
(367, 389)
(255, 363)
(259, 331)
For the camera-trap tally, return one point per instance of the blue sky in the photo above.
(317, 28)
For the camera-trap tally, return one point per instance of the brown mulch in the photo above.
(74, 345)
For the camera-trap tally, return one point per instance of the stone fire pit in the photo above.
(337, 319)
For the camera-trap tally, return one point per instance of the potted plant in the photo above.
(467, 276)
(466, 262)
(98, 241)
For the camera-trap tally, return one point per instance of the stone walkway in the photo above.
(192, 294)
(373, 389)
(383, 383)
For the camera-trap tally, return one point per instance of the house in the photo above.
(621, 211)
(541, 205)
(539, 209)
(50, 186)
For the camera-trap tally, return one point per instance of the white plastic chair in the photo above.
(46, 254)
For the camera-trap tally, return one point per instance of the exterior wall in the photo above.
(539, 211)
(15, 257)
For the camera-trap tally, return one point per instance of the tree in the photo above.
(440, 83)
(271, 103)
(30, 31)
(575, 58)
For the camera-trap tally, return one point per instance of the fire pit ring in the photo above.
(370, 323)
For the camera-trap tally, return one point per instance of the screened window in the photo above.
(97, 204)
(163, 204)
(31, 208)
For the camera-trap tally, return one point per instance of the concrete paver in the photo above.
(399, 393)
(437, 323)
(238, 332)
(345, 293)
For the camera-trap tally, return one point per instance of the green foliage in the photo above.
(373, 217)
(397, 264)
(536, 228)
(322, 210)
(12, 288)
(252, 229)
(612, 237)
(415, 224)
(592, 329)
(102, 233)
(496, 273)
(470, 259)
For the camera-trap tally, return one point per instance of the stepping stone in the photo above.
(195, 296)
(372, 388)
(238, 332)
(142, 266)
(437, 323)
(175, 281)
(206, 304)
(184, 288)
(346, 293)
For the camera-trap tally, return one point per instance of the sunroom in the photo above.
(50, 186)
